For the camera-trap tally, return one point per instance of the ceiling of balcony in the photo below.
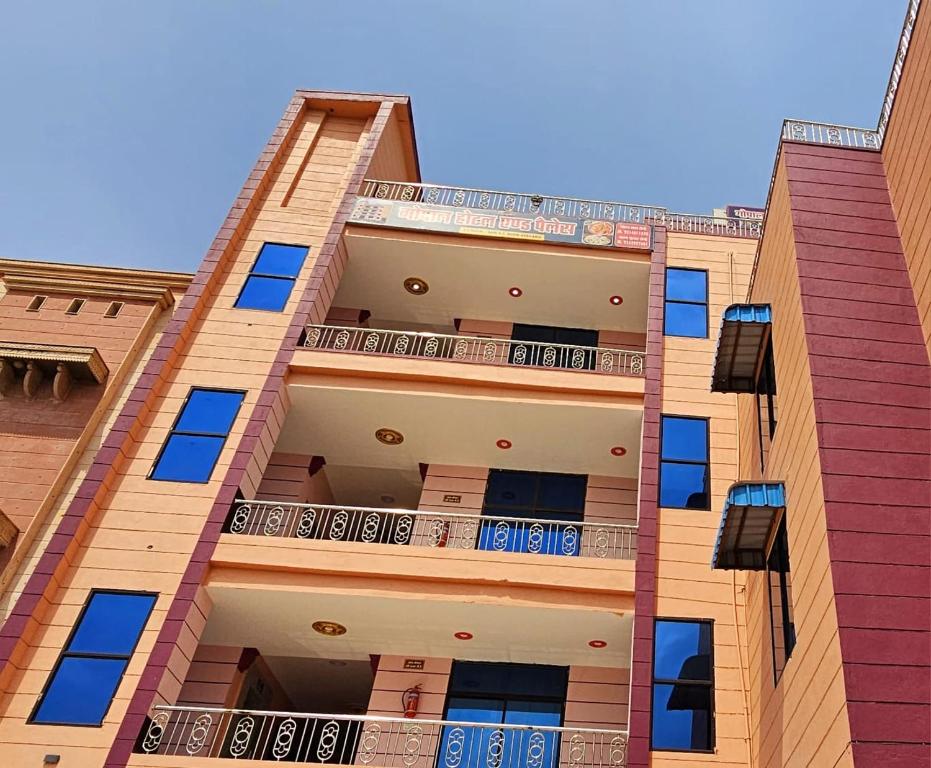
(470, 278)
(278, 623)
(337, 417)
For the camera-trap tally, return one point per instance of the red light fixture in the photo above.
(616, 300)
(515, 292)
(463, 635)
(597, 643)
(618, 450)
(504, 444)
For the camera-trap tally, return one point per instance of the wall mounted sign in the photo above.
(504, 224)
(451, 498)
(413, 663)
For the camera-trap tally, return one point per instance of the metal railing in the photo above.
(386, 742)
(472, 349)
(517, 202)
(693, 223)
(450, 530)
(898, 65)
(848, 136)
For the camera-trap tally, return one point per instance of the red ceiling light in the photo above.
(504, 444)
(515, 292)
(597, 643)
(616, 300)
(463, 635)
(618, 450)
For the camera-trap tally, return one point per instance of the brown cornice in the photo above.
(111, 282)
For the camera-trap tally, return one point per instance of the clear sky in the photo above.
(128, 127)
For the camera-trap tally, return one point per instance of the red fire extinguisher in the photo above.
(410, 701)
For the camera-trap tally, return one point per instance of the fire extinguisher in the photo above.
(410, 701)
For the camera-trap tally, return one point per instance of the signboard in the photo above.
(744, 213)
(507, 224)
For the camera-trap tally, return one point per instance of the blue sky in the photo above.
(128, 127)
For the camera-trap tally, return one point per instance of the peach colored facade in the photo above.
(451, 490)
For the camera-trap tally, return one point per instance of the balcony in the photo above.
(390, 742)
(472, 349)
(437, 530)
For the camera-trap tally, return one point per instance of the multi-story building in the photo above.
(420, 476)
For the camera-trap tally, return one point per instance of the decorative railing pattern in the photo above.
(517, 202)
(848, 136)
(693, 223)
(381, 741)
(370, 525)
(908, 26)
(472, 349)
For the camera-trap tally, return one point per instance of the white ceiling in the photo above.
(339, 420)
(278, 623)
(470, 278)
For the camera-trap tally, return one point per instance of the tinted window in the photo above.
(686, 284)
(517, 694)
(686, 305)
(280, 260)
(269, 284)
(537, 496)
(553, 356)
(781, 614)
(268, 293)
(683, 687)
(80, 691)
(188, 458)
(685, 438)
(91, 666)
(684, 468)
(209, 411)
(111, 623)
(194, 444)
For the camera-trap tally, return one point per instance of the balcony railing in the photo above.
(472, 349)
(422, 528)
(515, 202)
(693, 223)
(378, 741)
(848, 136)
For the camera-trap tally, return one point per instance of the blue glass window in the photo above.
(511, 694)
(686, 310)
(684, 481)
(683, 686)
(269, 284)
(543, 496)
(194, 444)
(91, 666)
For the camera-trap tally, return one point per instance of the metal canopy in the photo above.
(744, 334)
(751, 513)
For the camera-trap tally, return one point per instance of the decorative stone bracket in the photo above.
(36, 362)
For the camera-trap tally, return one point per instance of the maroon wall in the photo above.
(641, 666)
(872, 398)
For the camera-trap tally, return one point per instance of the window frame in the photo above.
(532, 512)
(654, 681)
(706, 463)
(66, 654)
(667, 301)
(766, 378)
(786, 597)
(267, 276)
(174, 431)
